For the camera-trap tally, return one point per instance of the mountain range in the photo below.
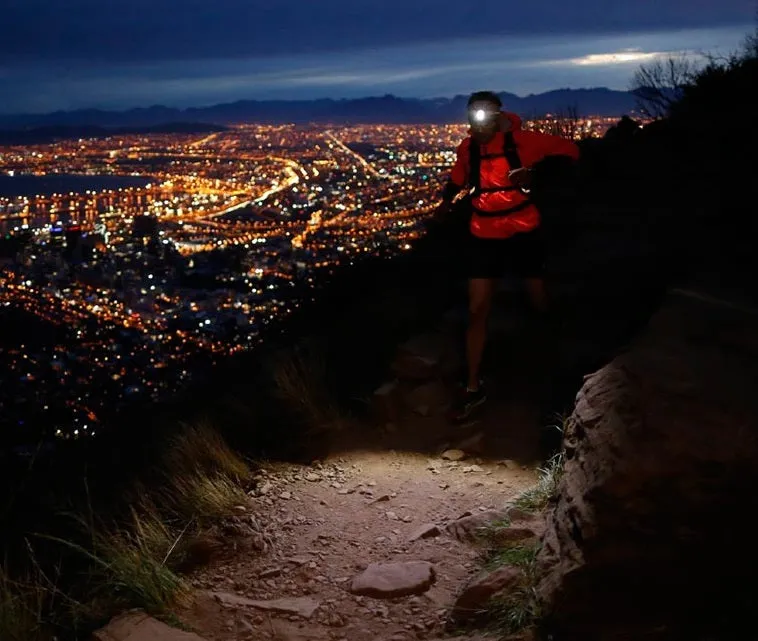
(387, 109)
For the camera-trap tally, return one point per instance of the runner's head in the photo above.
(484, 115)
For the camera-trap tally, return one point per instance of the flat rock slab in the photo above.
(300, 606)
(393, 580)
(473, 600)
(138, 626)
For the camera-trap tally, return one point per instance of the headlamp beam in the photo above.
(481, 115)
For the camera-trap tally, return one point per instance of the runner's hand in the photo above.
(438, 216)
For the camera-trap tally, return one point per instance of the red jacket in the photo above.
(491, 217)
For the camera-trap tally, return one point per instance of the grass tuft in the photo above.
(519, 556)
(200, 447)
(129, 566)
(132, 566)
(538, 497)
(518, 609)
(300, 377)
(204, 497)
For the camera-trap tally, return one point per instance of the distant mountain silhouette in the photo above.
(40, 135)
(385, 109)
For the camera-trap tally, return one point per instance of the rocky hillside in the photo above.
(650, 534)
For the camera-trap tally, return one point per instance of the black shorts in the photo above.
(521, 256)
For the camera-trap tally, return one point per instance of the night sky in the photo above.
(66, 54)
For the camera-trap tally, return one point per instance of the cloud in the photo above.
(521, 64)
(128, 31)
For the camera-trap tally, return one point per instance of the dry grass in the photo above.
(200, 447)
(518, 609)
(538, 497)
(131, 566)
(22, 609)
(204, 497)
(300, 376)
(131, 562)
(204, 477)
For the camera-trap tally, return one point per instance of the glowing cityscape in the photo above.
(130, 263)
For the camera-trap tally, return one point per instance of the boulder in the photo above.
(651, 534)
(415, 367)
(387, 402)
(425, 357)
(429, 398)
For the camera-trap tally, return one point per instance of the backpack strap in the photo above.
(475, 166)
(511, 151)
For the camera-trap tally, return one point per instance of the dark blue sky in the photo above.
(64, 54)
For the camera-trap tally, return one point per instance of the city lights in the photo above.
(153, 257)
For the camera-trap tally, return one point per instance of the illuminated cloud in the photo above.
(620, 57)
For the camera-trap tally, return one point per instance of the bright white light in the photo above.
(480, 115)
(620, 57)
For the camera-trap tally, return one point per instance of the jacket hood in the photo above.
(514, 119)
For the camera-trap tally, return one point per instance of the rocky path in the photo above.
(378, 541)
(366, 546)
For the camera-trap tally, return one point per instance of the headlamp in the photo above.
(482, 116)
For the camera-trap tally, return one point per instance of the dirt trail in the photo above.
(326, 522)
(310, 530)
